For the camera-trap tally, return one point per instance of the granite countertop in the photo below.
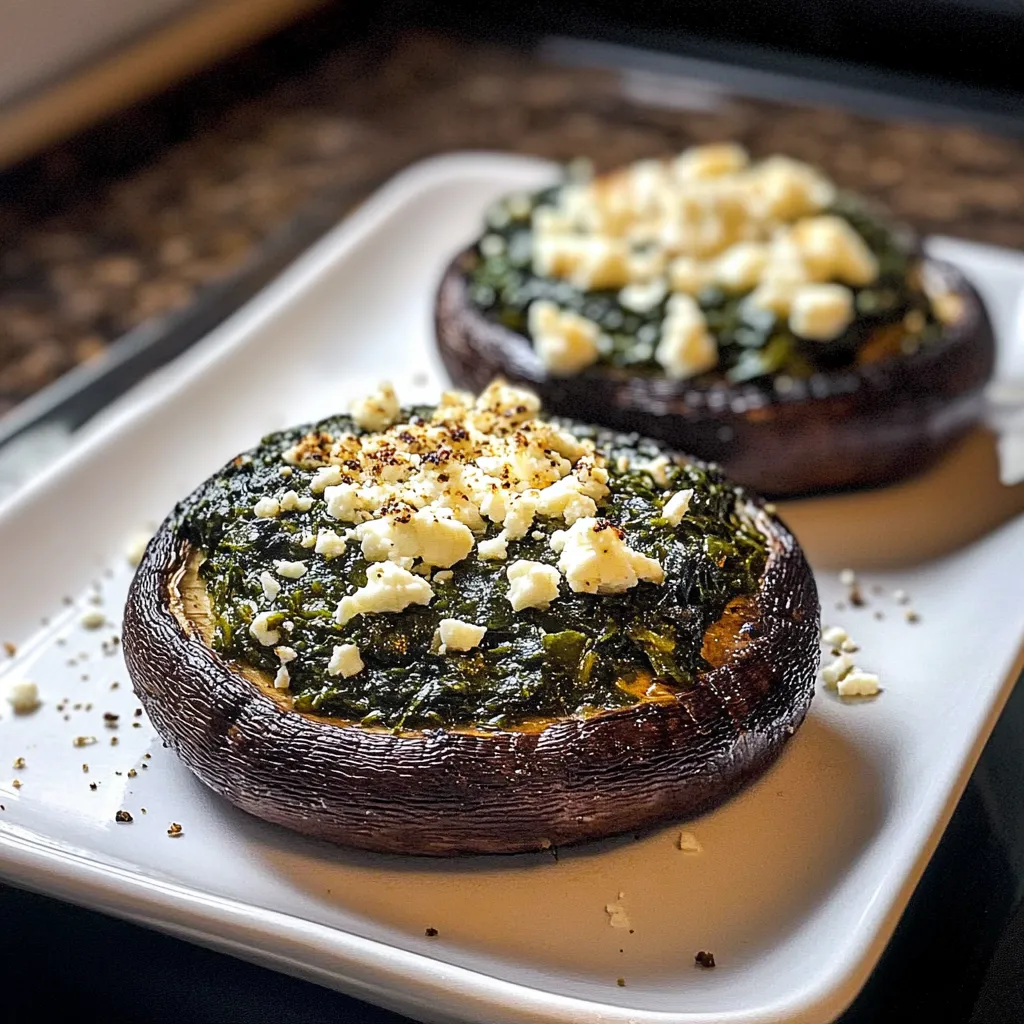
(100, 256)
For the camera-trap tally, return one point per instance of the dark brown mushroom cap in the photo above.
(865, 426)
(443, 793)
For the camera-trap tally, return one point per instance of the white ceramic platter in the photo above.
(801, 878)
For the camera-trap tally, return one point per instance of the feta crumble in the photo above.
(267, 508)
(456, 635)
(389, 588)
(329, 544)
(676, 507)
(259, 630)
(290, 570)
(859, 684)
(595, 559)
(23, 696)
(377, 411)
(531, 584)
(271, 588)
(345, 661)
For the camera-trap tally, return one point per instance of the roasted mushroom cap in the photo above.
(859, 427)
(447, 792)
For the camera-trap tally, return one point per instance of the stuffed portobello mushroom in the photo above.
(470, 629)
(747, 312)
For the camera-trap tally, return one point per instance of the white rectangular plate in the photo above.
(801, 878)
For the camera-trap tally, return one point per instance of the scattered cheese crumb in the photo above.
(859, 684)
(378, 411)
(565, 341)
(835, 670)
(282, 680)
(428, 535)
(595, 559)
(677, 506)
(689, 843)
(292, 502)
(259, 629)
(494, 550)
(821, 312)
(23, 696)
(847, 577)
(267, 508)
(531, 584)
(136, 548)
(456, 635)
(329, 544)
(92, 619)
(834, 636)
(286, 654)
(271, 588)
(389, 588)
(617, 915)
(345, 661)
(290, 570)
(686, 348)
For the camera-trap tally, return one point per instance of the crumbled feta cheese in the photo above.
(344, 502)
(92, 619)
(713, 160)
(849, 646)
(821, 312)
(565, 499)
(520, 516)
(259, 629)
(329, 544)
(23, 696)
(345, 661)
(847, 577)
(689, 843)
(427, 535)
(531, 584)
(325, 476)
(378, 411)
(283, 679)
(858, 684)
(267, 508)
(835, 670)
(617, 915)
(290, 570)
(739, 268)
(271, 588)
(389, 588)
(677, 506)
(456, 635)
(285, 654)
(834, 635)
(595, 559)
(136, 548)
(565, 341)
(643, 297)
(291, 501)
(493, 550)
(443, 576)
(690, 276)
(831, 248)
(657, 467)
(686, 348)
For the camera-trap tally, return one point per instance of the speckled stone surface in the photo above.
(115, 253)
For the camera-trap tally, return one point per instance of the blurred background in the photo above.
(160, 162)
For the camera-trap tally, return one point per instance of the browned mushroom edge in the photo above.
(448, 792)
(860, 427)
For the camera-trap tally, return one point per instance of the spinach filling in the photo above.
(577, 657)
(754, 345)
